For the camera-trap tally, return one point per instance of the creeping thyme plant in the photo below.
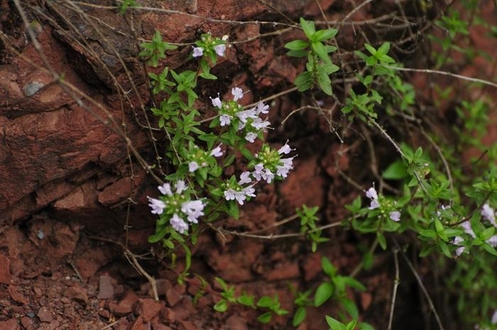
(421, 200)
(199, 190)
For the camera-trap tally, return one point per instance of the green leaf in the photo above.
(334, 324)
(350, 307)
(297, 45)
(222, 283)
(308, 27)
(328, 267)
(233, 209)
(382, 240)
(383, 50)
(324, 82)
(246, 300)
(221, 306)
(370, 49)
(299, 316)
(323, 293)
(489, 248)
(365, 326)
(351, 325)
(321, 51)
(353, 283)
(361, 55)
(266, 302)
(265, 318)
(428, 233)
(323, 35)
(445, 249)
(487, 233)
(371, 61)
(303, 81)
(157, 236)
(387, 59)
(368, 260)
(395, 171)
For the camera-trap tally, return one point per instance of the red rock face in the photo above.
(62, 144)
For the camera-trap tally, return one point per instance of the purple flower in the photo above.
(395, 216)
(467, 229)
(193, 210)
(240, 196)
(180, 186)
(157, 205)
(261, 108)
(237, 93)
(286, 164)
(373, 195)
(220, 49)
(251, 136)
(268, 175)
(245, 178)
(488, 213)
(217, 102)
(198, 51)
(225, 119)
(260, 124)
(165, 189)
(285, 149)
(217, 152)
(258, 171)
(192, 166)
(457, 241)
(246, 115)
(178, 224)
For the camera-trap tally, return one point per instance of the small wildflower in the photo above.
(193, 210)
(177, 206)
(180, 186)
(225, 119)
(284, 167)
(165, 189)
(467, 229)
(260, 124)
(373, 195)
(488, 213)
(217, 102)
(457, 241)
(192, 166)
(261, 108)
(237, 93)
(251, 136)
(240, 196)
(198, 51)
(268, 175)
(395, 216)
(216, 152)
(157, 205)
(285, 149)
(178, 224)
(245, 115)
(238, 192)
(245, 178)
(220, 49)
